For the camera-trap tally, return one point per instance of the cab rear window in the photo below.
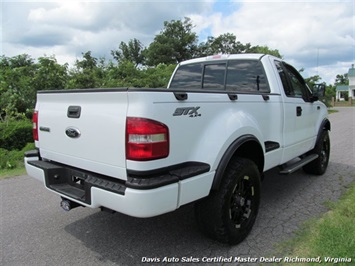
(187, 77)
(233, 75)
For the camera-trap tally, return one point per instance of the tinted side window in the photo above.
(246, 76)
(292, 82)
(213, 77)
(283, 77)
(187, 77)
(296, 85)
(299, 88)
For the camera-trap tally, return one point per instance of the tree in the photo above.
(227, 44)
(17, 92)
(21, 77)
(175, 43)
(125, 74)
(330, 92)
(157, 77)
(23, 60)
(264, 50)
(88, 63)
(342, 79)
(329, 89)
(86, 73)
(49, 74)
(224, 44)
(132, 52)
(311, 81)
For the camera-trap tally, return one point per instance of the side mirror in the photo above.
(318, 90)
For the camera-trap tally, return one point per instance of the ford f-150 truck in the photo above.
(208, 138)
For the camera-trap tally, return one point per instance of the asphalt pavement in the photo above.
(36, 231)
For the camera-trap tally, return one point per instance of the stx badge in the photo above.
(190, 111)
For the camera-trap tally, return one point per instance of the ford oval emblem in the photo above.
(72, 132)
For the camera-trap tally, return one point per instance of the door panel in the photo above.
(300, 113)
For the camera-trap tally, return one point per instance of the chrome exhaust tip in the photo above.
(67, 205)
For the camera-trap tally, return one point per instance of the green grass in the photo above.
(7, 173)
(11, 162)
(331, 111)
(331, 236)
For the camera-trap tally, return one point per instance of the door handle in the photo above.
(74, 111)
(299, 110)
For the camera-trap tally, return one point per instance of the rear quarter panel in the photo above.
(205, 137)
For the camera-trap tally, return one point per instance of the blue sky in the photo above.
(316, 35)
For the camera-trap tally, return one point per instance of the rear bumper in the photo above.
(142, 195)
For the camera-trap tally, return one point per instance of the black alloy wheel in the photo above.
(228, 214)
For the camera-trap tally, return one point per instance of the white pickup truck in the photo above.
(208, 138)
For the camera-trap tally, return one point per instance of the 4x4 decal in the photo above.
(190, 111)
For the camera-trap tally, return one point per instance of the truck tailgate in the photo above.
(85, 129)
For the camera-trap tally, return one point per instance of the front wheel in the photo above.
(228, 214)
(322, 149)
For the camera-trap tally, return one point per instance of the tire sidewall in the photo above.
(324, 137)
(233, 177)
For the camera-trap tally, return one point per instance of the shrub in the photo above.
(4, 162)
(12, 159)
(346, 97)
(14, 135)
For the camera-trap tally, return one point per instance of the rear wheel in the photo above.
(228, 214)
(322, 149)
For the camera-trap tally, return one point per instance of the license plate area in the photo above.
(76, 183)
(77, 180)
(69, 182)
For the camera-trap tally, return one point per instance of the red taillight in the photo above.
(146, 139)
(35, 126)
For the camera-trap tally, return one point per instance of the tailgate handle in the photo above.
(74, 111)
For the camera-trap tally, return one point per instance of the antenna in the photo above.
(317, 60)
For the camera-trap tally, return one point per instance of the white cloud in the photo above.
(72, 15)
(306, 33)
(289, 27)
(73, 27)
(315, 35)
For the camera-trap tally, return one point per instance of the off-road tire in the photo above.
(322, 148)
(228, 214)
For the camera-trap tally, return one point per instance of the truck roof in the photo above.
(224, 57)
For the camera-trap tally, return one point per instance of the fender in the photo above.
(258, 157)
(325, 125)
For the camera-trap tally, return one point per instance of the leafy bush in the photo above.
(12, 159)
(14, 135)
(346, 97)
